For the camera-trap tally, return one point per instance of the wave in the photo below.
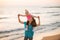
(52, 7)
(14, 30)
(52, 12)
(9, 35)
(56, 24)
(40, 29)
(48, 27)
(56, 15)
(16, 38)
(3, 17)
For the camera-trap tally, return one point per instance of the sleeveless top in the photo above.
(28, 30)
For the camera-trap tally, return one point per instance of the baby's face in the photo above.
(26, 12)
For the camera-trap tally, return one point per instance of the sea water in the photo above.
(11, 29)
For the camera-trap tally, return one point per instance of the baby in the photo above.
(28, 15)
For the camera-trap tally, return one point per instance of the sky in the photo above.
(14, 3)
(28, 2)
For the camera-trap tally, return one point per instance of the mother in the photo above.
(29, 25)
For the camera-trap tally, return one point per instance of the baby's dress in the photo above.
(29, 16)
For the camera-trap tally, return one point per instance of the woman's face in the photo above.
(31, 19)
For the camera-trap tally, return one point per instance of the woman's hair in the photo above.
(33, 23)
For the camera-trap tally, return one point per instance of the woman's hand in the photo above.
(20, 19)
(38, 21)
(18, 14)
(21, 15)
(38, 17)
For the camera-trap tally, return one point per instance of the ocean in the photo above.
(11, 29)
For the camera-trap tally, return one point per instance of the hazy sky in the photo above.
(28, 2)
(12, 12)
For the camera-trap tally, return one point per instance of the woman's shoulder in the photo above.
(25, 22)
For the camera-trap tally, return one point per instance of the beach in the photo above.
(11, 29)
(37, 36)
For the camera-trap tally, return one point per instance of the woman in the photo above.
(29, 25)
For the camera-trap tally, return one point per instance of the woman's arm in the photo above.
(19, 19)
(21, 15)
(35, 16)
(38, 21)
